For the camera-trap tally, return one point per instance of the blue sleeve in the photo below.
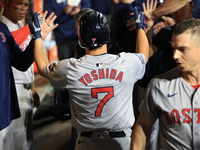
(19, 59)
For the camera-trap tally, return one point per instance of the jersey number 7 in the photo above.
(102, 103)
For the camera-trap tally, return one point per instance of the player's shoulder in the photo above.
(169, 75)
(133, 56)
(4, 32)
(167, 78)
(67, 62)
(3, 26)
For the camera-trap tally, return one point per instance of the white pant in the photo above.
(22, 127)
(6, 139)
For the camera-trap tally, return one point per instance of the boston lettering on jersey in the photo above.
(104, 73)
(175, 116)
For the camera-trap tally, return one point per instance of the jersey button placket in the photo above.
(195, 127)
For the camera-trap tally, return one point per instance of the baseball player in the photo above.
(27, 95)
(23, 79)
(100, 84)
(12, 55)
(173, 97)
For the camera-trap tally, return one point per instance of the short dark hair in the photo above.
(191, 26)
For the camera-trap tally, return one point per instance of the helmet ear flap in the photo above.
(94, 30)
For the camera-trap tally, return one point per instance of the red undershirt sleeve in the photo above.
(21, 34)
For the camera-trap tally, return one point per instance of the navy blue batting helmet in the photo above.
(94, 30)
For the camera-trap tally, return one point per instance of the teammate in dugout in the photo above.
(13, 13)
(173, 97)
(100, 84)
(12, 55)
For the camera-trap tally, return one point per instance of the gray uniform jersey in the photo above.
(100, 89)
(177, 106)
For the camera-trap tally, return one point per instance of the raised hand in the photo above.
(47, 23)
(148, 7)
(139, 20)
(167, 21)
(35, 26)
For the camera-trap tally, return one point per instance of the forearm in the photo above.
(141, 133)
(142, 45)
(138, 138)
(168, 7)
(152, 49)
(40, 56)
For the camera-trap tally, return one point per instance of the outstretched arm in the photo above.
(40, 55)
(142, 45)
(141, 133)
(148, 7)
(168, 7)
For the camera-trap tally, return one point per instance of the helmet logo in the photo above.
(93, 41)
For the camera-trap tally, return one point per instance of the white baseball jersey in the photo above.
(20, 76)
(171, 99)
(100, 89)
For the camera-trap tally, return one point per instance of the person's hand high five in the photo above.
(35, 26)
